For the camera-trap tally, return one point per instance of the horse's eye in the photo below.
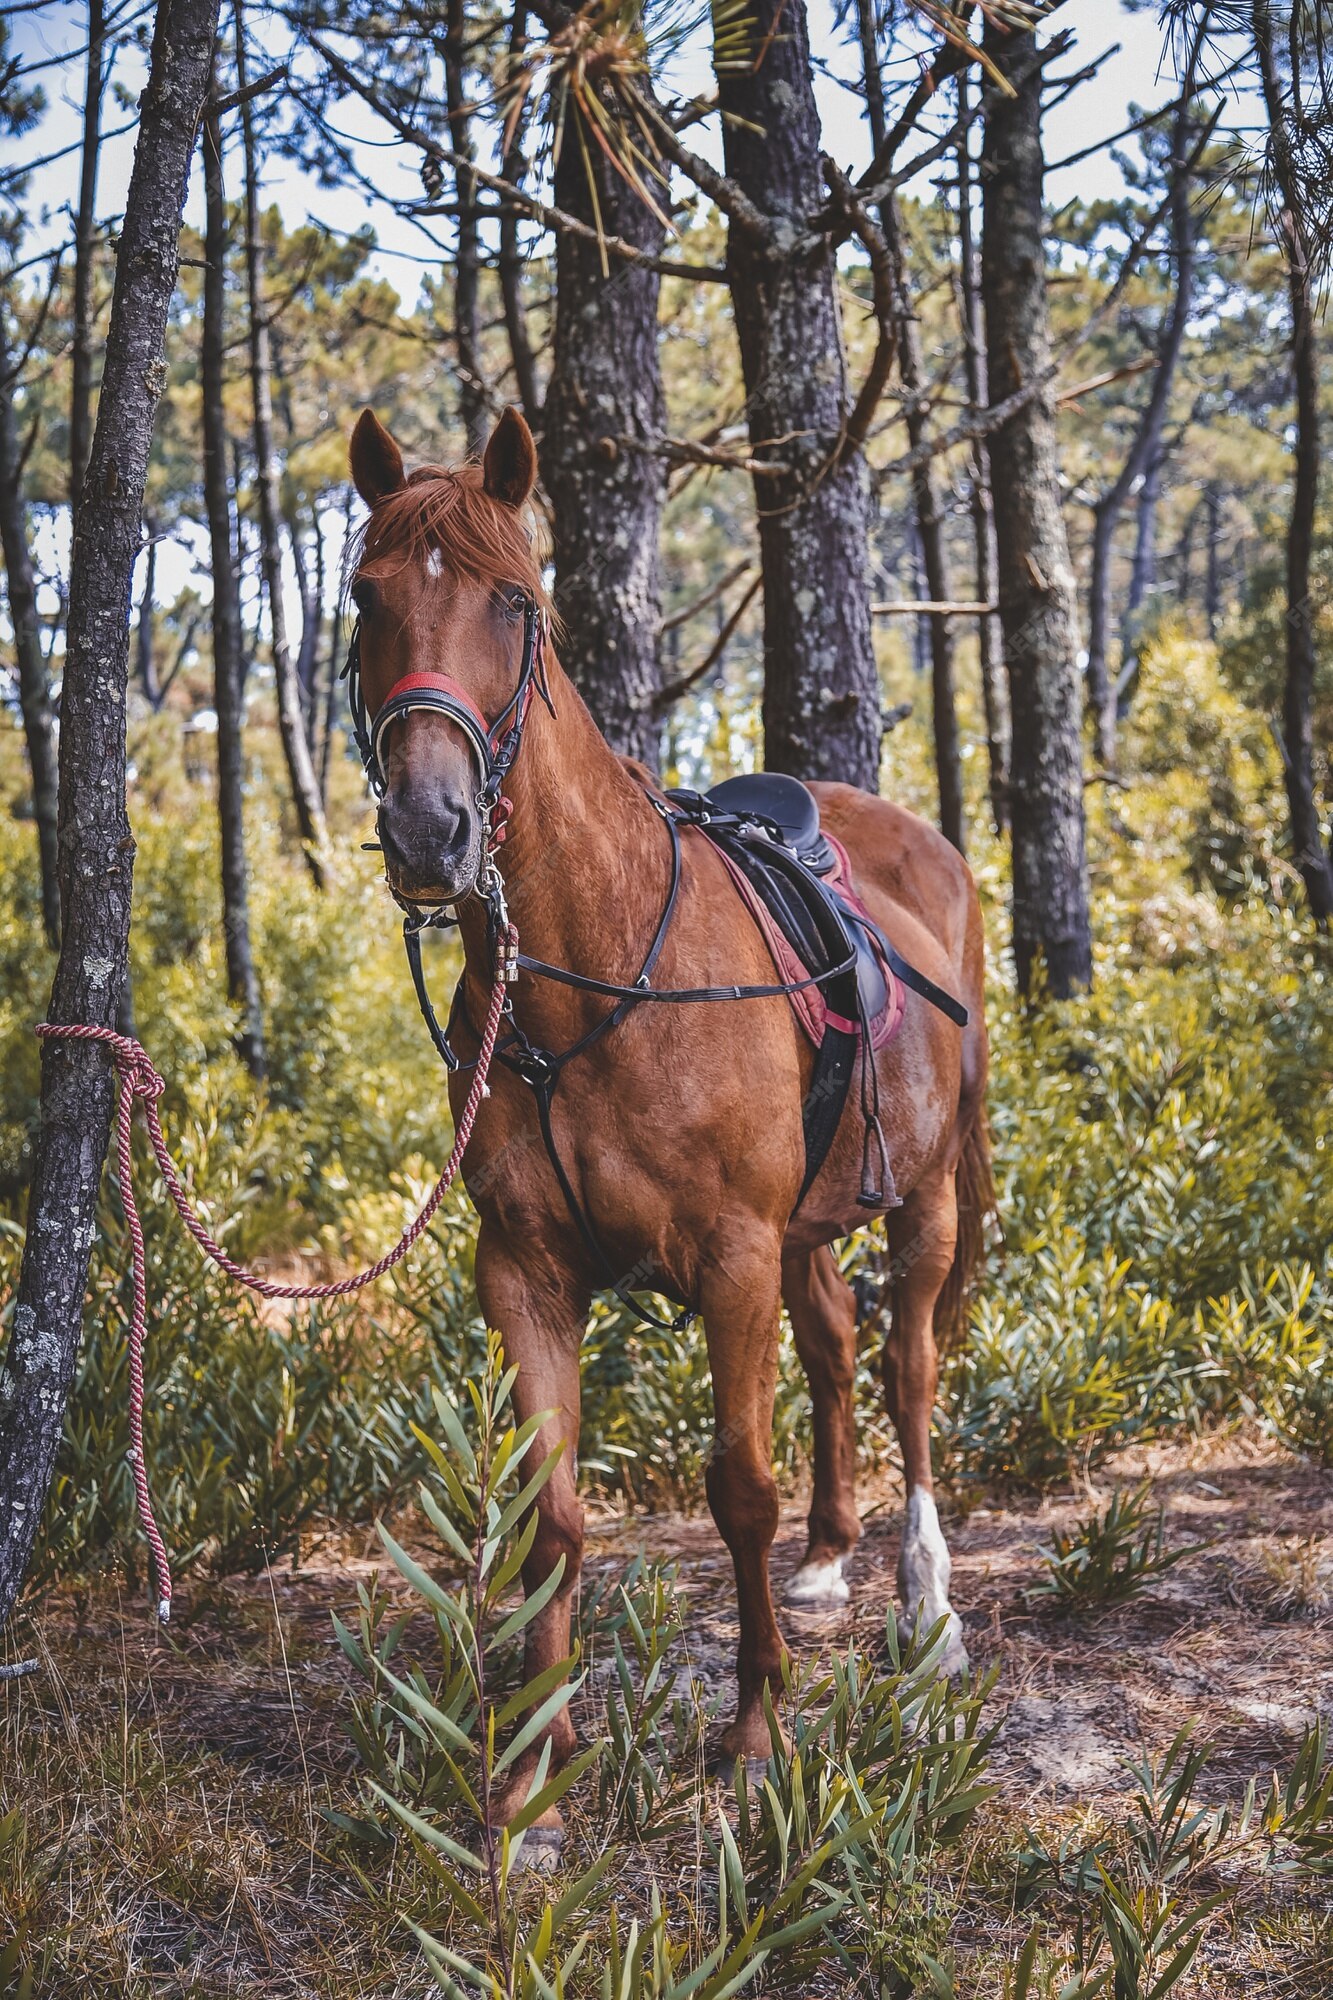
(363, 594)
(512, 602)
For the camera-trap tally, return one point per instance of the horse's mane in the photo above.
(446, 509)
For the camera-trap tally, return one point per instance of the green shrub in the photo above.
(1109, 1556)
(880, 1768)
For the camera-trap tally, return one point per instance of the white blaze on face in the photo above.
(435, 562)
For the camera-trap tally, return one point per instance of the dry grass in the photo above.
(178, 1783)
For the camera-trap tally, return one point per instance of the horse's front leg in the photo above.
(540, 1312)
(741, 1307)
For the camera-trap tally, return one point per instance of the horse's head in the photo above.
(446, 574)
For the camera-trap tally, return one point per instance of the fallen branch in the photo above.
(19, 1669)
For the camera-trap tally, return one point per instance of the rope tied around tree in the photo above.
(137, 1078)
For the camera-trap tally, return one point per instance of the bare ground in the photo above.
(177, 1785)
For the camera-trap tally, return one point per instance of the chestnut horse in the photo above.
(680, 1129)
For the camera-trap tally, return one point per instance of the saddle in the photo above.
(796, 882)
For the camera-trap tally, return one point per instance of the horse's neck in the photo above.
(586, 860)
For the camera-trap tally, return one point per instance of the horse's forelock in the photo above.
(446, 510)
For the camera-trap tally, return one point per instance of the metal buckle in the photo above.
(532, 1066)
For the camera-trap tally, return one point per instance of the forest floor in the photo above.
(174, 1787)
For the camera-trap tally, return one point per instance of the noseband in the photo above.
(494, 745)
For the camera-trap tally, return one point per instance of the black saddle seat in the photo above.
(785, 803)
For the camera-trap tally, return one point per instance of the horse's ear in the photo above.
(510, 462)
(377, 463)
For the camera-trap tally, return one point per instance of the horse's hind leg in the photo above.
(823, 1319)
(922, 1238)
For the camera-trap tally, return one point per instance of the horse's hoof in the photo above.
(539, 1853)
(724, 1769)
(818, 1586)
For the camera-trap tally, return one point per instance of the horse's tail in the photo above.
(976, 1202)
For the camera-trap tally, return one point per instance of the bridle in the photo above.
(494, 745)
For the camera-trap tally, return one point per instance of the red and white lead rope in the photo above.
(136, 1077)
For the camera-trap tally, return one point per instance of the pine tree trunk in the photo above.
(927, 485)
(606, 497)
(822, 702)
(993, 694)
(85, 247)
(510, 260)
(1036, 583)
(291, 719)
(331, 682)
(309, 590)
(1142, 579)
(34, 681)
(928, 497)
(96, 847)
(467, 259)
(1212, 584)
(228, 693)
(1307, 836)
(1142, 462)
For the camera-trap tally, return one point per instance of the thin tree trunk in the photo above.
(1307, 836)
(96, 847)
(994, 699)
(467, 257)
(822, 701)
(928, 498)
(1212, 587)
(606, 497)
(291, 721)
(1142, 579)
(1145, 448)
(228, 694)
(39, 723)
(85, 249)
(1184, 561)
(145, 638)
(927, 489)
(308, 589)
(510, 260)
(333, 672)
(1036, 582)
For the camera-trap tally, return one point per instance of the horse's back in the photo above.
(915, 882)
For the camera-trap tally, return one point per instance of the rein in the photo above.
(137, 1078)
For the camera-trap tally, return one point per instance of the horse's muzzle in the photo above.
(432, 848)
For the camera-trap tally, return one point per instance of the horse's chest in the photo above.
(658, 1132)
